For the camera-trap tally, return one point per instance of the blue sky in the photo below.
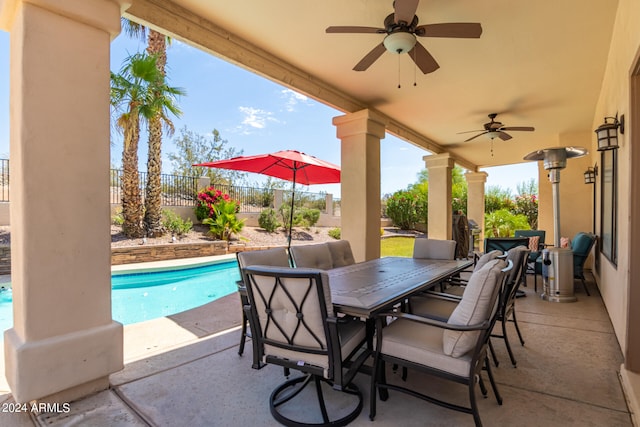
(255, 115)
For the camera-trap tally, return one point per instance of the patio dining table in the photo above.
(366, 288)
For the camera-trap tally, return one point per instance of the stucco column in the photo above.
(440, 211)
(475, 199)
(63, 343)
(360, 133)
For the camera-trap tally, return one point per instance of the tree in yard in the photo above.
(138, 92)
(197, 148)
(156, 46)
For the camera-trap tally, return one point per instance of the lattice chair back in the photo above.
(296, 327)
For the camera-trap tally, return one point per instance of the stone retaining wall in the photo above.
(129, 255)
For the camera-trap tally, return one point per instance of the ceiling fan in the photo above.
(401, 28)
(494, 129)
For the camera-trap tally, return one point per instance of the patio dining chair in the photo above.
(454, 350)
(296, 328)
(536, 245)
(312, 256)
(276, 257)
(581, 246)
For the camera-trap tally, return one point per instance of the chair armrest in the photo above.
(439, 295)
(433, 322)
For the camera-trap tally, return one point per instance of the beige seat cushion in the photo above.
(434, 249)
(485, 258)
(474, 307)
(341, 254)
(312, 256)
(422, 344)
(276, 257)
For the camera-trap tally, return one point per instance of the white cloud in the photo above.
(292, 99)
(255, 118)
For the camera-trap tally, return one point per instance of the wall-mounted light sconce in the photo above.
(590, 174)
(590, 178)
(607, 133)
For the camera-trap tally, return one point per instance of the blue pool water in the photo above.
(148, 295)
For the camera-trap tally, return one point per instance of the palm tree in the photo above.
(156, 45)
(140, 90)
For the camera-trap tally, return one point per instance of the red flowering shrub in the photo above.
(206, 201)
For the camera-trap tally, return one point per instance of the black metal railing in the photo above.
(176, 190)
(180, 190)
(4, 180)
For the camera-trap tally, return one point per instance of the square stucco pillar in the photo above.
(360, 134)
(64, 343)
(475, 198)
(440, 212)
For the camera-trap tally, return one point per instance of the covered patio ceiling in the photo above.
(537, 63)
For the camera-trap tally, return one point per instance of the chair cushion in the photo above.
(312, 256)
(351, 334)
(422, 344)
(434, 249)
(475, 307)
(432, 307)
(341, 254)
(534, 243)
(276, 257)
(486, 258)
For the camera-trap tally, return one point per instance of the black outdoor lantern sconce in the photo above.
(590, 174)
(607, 133)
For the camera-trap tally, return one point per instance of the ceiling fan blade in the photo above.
(405, 10)
(347, 29)
(423, 59)
(503, 136)
(465, 30)
(521, 128)
(370, 58)
(474, 137)
(469, 131)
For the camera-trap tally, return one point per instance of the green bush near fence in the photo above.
(268, 220)
(335, 233)
(175, 224)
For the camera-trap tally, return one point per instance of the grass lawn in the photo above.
(396, 246)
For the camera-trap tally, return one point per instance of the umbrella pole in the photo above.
(293, 194)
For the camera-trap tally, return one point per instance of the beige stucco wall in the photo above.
(614, 97)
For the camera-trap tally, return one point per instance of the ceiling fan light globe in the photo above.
(400, 42)
(493, 134)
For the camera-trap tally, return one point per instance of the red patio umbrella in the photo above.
(290, 165)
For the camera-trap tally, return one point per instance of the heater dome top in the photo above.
(556, 157)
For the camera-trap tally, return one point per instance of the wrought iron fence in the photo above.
(4, 180)
(182, 191)
(176, 190)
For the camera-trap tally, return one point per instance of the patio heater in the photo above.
(557, 262)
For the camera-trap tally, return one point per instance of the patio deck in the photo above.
(185, 370)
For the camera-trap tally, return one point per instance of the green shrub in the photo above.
(117, 218)
(402, 208)
(175, 224)
(503, 223)
(306, 217)
(268, 220)
(335, 233)
(225, 221)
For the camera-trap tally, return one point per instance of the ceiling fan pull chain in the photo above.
(398, 71)
(491, 147)
(415, 68)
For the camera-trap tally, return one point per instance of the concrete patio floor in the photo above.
(184, 370)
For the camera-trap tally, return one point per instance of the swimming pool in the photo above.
(144, 295)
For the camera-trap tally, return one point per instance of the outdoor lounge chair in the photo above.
(454, 350)
(581, 246)
(296, 328)
(275, 257)
(536, 245)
